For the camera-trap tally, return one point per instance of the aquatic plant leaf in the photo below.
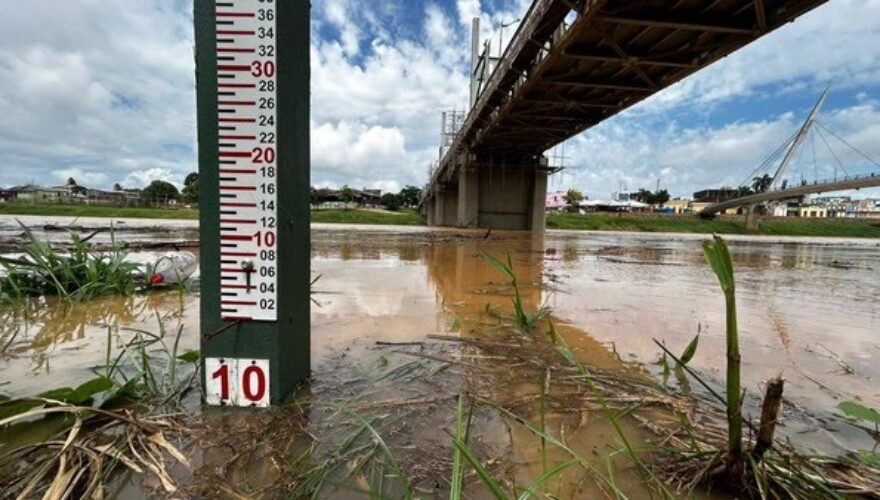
(689, 351)
(718, 257)
(550, 474)
(15, 407)
(16, 262)
(85, 391)
(869, 458)
(859, 412)
(456, 324)
(481, 471)
(499, 266)
(190, 357)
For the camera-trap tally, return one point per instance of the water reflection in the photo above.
(56, 342)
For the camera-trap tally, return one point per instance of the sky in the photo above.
(104, 91)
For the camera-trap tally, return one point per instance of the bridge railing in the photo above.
(834, 180)
(522, 36)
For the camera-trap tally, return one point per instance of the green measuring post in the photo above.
(252, 72)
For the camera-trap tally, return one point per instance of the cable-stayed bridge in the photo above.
(775, 186)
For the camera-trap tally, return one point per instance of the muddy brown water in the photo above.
(808, 309)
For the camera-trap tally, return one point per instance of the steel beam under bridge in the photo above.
(574, 63)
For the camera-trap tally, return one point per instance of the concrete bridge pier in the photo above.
(753, 219)
(443, 206)
(490, 194)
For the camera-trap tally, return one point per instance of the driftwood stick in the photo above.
(769, 415)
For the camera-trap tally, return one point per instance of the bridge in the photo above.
(570, 65)
(778, 189)
(826, 186)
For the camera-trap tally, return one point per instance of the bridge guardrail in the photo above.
(530, 21)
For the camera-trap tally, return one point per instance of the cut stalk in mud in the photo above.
(718, 257)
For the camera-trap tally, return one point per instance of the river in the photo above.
(809, 309)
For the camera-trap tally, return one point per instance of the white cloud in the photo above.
(626, 153)
(82, 177)
(142, 178)
(106, 88)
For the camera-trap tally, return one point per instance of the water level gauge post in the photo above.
(252, 73)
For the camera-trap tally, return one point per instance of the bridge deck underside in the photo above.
(615, 54)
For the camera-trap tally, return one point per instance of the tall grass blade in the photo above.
(457, 483)
(481, 471)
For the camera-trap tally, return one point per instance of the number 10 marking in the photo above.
(237, 382)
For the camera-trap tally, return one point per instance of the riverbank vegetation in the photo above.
(404, 217)
(97, 211)
(656, 223)
(72, 442)
(77, 273)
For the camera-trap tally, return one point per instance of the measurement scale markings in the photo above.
(235, 50)
(237, 171)
(246, 76)
(238, 68)
(235, 154)
(229, 237)
(237, 103)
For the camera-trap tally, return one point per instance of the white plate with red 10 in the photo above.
(237, 382)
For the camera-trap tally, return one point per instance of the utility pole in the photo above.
(475, 57)
(501, 36)
(252, 74)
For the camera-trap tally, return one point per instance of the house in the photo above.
(105, 197)
(836, 205)
(556, 201)
(777, 209)
(370, 197)
(867, 209)
(678, 206)
(699, 206)
(8, 194)
(813, 211)
(332, 199)
(613, 206)
(715, 195)
(34, 194)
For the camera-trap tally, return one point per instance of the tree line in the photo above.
(408, 197)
